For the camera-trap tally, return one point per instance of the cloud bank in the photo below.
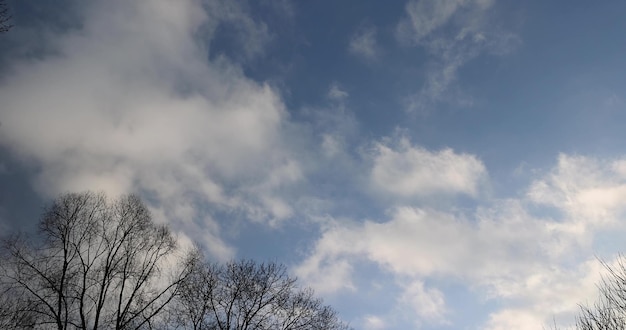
(533, 254)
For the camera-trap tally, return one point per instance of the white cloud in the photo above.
(423, 242)
(589, 190)
(407, 171)
(364, 44)
(129, 103)
(372, 322)
(515, 319)
(335, 93)
(548, 297)
(537, 263)
(427, 303)
(326, 276)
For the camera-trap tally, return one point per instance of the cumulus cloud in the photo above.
(364, 44)
(130, 103)
(427, 303)
(587, 189)
(408, 171)
(453, 32)
(326, 271)
(536, 262)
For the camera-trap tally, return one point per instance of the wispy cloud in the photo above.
(453, 32)
(335, 93)
(364, 44)
(424, 17)
(249, 36)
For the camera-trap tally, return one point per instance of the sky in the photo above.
(422, 164)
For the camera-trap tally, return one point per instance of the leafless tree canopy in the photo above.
(96, 265)
(5, 17)
(609, 312)
(247, 295)
(101, 264)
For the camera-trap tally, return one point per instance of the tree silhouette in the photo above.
(5, 17)
(104, 264)
(609, 312)
(96, 264)
(243, 295)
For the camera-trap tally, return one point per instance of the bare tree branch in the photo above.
(99, 263)
(609, 311)
(243, 295)
(5, 17)
(102, 264)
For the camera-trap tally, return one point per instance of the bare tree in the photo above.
(247, 295)
(609, 312)
(5, 17)
(14, 310)
(101, 264)
(97, 264)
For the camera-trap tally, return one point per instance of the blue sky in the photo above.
(421, 164)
